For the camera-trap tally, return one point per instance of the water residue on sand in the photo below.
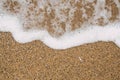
(61, 24)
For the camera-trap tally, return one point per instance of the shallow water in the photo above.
(61, 24)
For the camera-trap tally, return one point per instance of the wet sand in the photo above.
(36, 61)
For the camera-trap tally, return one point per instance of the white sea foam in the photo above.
(88, 34)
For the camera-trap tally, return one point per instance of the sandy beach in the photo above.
(35, 61)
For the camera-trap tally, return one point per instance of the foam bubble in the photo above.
(88, 33)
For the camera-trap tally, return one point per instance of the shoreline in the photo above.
(35, 60)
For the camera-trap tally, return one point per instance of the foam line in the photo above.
(90, 34)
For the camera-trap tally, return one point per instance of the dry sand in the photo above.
(35, 61)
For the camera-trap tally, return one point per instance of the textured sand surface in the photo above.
(35, 61)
